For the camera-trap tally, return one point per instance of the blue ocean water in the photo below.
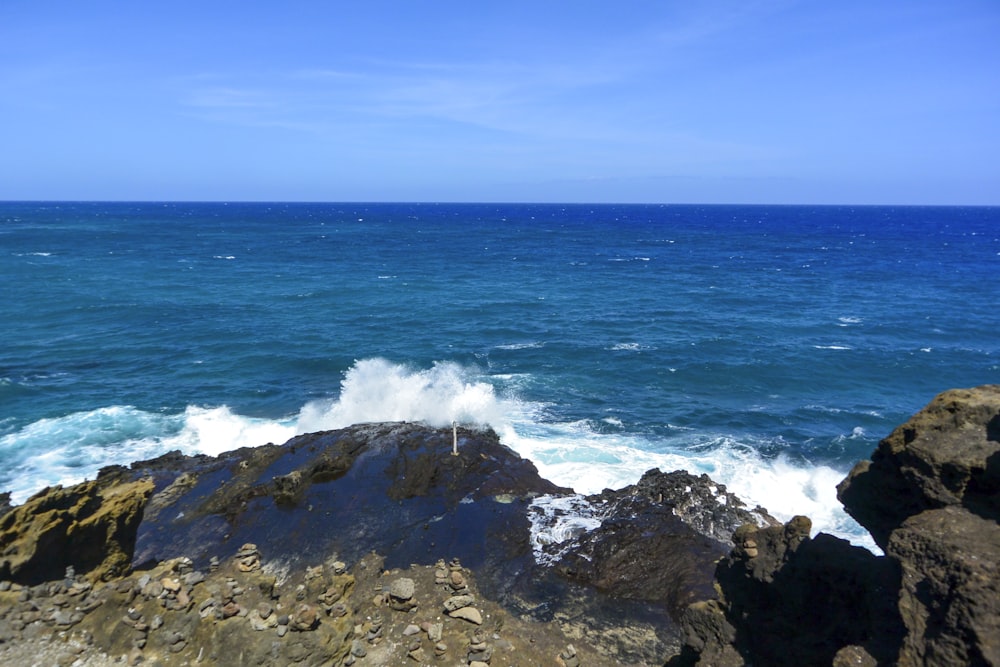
(769, 346)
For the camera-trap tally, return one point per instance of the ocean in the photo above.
(770, 347)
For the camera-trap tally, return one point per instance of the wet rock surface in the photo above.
(371, 545)
(930, 496)
(375, 545)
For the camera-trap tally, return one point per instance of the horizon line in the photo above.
(470, 203)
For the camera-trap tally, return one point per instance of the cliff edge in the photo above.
(930, 495)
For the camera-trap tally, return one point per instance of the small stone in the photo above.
(306, 617)
(339, 567)
(410, 630)
(402, 588)
(457, 602)
(260, 624)
(282, 630)
(435, 631)
(183, 599)
(457, 580)
(417, 655)
(440, 649)
(358, 649)
(193, 578)
(153, 590)
(479, 663)
(65, 618)
(470, 614)
(230, 609)
(170, 584)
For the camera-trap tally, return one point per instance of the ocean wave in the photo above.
(585, 455)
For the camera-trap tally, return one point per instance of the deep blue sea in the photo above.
(768, 346)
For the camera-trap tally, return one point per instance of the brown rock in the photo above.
(470, 614)
(946, 454)
(90, 527)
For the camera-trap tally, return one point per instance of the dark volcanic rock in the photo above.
(946, 454)
(791, 600)
(950, 597)
(396, 489)
(930, 496)
(391, 488)
(658, 539)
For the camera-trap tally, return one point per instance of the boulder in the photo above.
(946, 454)
(950, 594)
(930, 496)
(90, 527)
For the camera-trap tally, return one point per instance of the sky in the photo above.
(669, 101)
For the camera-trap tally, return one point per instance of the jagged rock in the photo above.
(930, 496)
(91, 527)
(946, 454)
(950, 597)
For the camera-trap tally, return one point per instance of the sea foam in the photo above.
(579, 455)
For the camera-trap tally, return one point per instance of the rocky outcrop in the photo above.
(947, 455)
(677, 521)
(90, 528)
(930, 497)
(375, 544)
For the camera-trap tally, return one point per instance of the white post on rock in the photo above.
(454, 438)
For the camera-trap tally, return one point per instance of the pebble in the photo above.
(470, 614)
(568, 656)
(410, 630)
(306, 617)
(170, 584)
(457, 602)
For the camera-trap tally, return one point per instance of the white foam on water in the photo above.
(379, 390)
(578, 455)
(575, 456)
(557, 520)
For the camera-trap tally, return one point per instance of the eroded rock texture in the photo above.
(930, 497)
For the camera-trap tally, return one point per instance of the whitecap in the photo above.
(531, 345)
(578, 454)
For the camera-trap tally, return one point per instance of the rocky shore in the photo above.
(378, 545)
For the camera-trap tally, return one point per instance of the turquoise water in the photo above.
(771, 347)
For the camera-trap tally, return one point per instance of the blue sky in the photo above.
(846, 101)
